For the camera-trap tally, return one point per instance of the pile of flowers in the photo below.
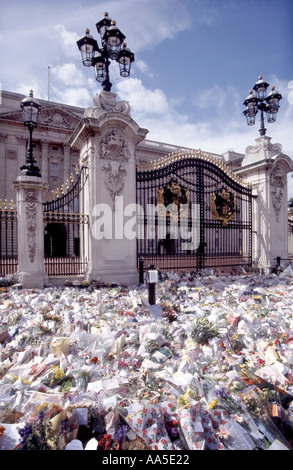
(213, 370)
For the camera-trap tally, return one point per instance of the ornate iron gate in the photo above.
(64, 220)
(8, 238)
(195, 214)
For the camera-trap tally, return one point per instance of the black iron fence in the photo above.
(65, 224)
(8, 238)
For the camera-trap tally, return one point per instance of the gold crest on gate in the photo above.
(175, 198)
(223, 206)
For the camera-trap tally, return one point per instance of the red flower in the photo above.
(94, 360)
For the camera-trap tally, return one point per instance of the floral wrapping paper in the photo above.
(199, 428)
(148, 423)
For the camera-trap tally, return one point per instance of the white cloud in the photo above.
(73, 96)
(141, 99)
(143, 67)
(68, 74)
(68, 40)
(290, 95)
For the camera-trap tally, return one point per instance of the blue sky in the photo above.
(195, 61)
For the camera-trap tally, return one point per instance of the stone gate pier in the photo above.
(265, 166)
(106, 138)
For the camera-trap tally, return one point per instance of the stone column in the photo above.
(45, 161)
(266, 168)
(66, 162)
(106, 138)
(31, 272)
(3, 138)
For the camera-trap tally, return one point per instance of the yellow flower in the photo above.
(58, 374)
(183, 401)
(213, 404)
(190, 393)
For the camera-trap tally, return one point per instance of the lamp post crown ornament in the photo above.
(112, 40)
(258, 100)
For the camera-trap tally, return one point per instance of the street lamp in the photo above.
(30, 113)
(258, 100)
(113, 47)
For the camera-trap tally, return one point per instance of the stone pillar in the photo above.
(3, 138)
(29, 197)
(266, 168)
(107, 137)
(45, 161)
(66, 162)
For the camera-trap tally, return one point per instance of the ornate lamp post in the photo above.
(113, 47)
(258, 100)
(30, 112)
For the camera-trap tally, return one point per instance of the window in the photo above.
(54, 169)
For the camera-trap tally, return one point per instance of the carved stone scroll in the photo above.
(277, 181)
(31, 211)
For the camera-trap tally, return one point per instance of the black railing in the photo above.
(65, 266)
(8, 239)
